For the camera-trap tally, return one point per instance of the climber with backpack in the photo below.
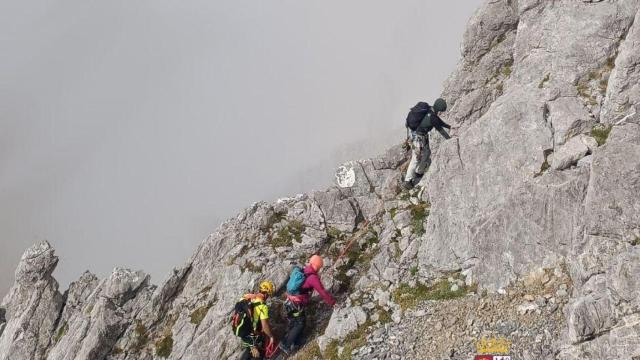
(250, 322)
(302, 282)
(422, 118)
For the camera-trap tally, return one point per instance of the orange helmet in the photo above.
(316, 262)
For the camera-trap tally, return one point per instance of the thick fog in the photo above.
(130, 129)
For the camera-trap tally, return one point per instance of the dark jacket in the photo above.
(430, 121)
(416, 114)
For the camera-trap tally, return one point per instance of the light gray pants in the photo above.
(420, 155)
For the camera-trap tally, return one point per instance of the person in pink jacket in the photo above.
(296, 304)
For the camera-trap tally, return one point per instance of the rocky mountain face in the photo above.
(526, 226)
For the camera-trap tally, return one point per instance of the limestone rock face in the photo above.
(623, 97)
(570, 153)
(526, 225)
(77, 295)
(343, 322)
(101, 313)
(603, 308)
(32, 306)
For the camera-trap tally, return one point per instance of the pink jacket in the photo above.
(312, 282)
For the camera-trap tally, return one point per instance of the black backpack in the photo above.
(242, 318)
(416, 114)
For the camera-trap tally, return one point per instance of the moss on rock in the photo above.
(419, 213)
(288, 233)
(601, 133)
(164, 346)
(199, 314)
(61, 332)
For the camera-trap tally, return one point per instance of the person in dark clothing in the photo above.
(296, 304)
(421, 119)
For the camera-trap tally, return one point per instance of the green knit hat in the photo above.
(440, 105)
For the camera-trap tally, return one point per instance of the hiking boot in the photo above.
(407, 185)
(416, 179)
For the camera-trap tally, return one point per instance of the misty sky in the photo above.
(130, 129)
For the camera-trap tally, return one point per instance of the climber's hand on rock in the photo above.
(255, 353)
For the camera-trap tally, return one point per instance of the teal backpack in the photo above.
(296, 279)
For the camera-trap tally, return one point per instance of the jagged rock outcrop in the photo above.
(99, 314)
(32, 306)
(526, 225)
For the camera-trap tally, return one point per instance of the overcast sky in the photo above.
(130, 129)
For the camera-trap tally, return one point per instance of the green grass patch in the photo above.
(595, 75)
(296, 227)
(352, 341)
(506, 70)
(275, 218)
(636, 241)
(282, 238)
(366, 257)
(61, 332)
(603, 85)
(141, 337)
(610, 64)
(409, 296)
(309, 352)
(601, 133)
(199, 314)
(413, 270)
(335, 234)
(288, 233)
(393, 212)
(585, 92)
(419, 213)
(442, 291)
(164, 346)
(332, 351)
(384, 317)
(359, 255)
(372, 237)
